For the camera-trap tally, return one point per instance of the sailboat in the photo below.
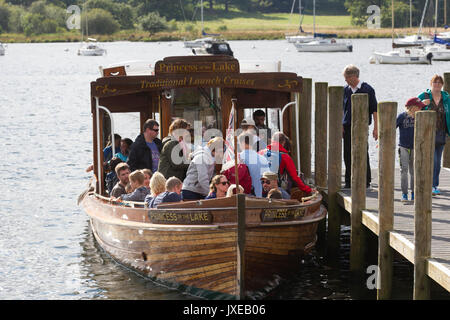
(321, 44)
(198, 43)
(416, 39)
(300, 35)
(2, 49)
(402, 55)
(90, 47)
(440, 47)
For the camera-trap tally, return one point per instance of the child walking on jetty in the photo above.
(405, 123)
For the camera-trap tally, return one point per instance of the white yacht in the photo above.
(91, 48)
(324, 45)
(413, 40)
(2, 49)
(403, 56)
(441, 52)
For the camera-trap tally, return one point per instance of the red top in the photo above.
(288, 164)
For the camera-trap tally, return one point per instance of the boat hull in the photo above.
(323, 48)
(99, 52)
(387, 59)
(203, 257)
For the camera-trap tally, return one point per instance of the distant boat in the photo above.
(324, 45)
(2, 49)
(322, 42)
(404, 56)
(90, 47)
(213, 47)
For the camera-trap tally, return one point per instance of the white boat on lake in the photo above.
(403, 56)
(91, 48)
(441, 52)
(324, 45)
(2, 49)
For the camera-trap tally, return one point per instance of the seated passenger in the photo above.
(218, 187)
(172, 193)
(285, 167)
(157, 186)
(139, 191)
(256, 163)
(122, 172)
(232, 190)
(148, 175)
(111, 177)
(269, 182)
(124, 151)
(201, 170)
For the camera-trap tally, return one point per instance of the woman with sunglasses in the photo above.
(438, 100)
(218, 187)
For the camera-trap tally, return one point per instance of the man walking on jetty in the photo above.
(354, 85)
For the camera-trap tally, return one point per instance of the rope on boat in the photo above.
(314, 195)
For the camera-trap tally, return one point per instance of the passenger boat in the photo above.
(231, 247)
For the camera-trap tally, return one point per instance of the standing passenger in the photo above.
(354, 85)
(173, 160)
(405, 124)
(146, 149)
(439, 101)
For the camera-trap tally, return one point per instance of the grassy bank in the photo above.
(232, 27)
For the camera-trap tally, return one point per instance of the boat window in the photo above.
(197, 104)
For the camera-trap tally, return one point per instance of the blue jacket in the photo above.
(446, 100)
(373, 104)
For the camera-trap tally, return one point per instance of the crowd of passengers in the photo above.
(153, 171)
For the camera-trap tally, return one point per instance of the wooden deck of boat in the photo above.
(402, 237)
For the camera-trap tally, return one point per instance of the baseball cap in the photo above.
(415, 102)
(269, 176)
(248, 122)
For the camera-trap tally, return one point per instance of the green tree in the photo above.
(4, 16)
(153, 23)
(99, 22)
(358, 9)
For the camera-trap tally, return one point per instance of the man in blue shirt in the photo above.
(145, 150)
(354, 85)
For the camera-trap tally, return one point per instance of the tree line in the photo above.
(109, 16)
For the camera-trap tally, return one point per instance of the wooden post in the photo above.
(320, 146)
(320, 135)
(335, 113)
(360, 128)
(387, 114)
(240, 253)
(424, 136)
(305, 129)
(446, 154)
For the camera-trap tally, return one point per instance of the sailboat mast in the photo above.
(410, 13)
(423, 16)
(201, 10)
(436, 16)
(392, 7)
(314, 18)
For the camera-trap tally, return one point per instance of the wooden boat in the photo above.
(204, 246)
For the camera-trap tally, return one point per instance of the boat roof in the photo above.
(220, 71)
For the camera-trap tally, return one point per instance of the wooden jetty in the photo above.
(419, 230)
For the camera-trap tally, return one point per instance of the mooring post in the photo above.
(387, 114)
(424, 135)
(335, 113)
(320, 145)
(305, 129)
(360, 129)
(240, 246)
(446, 154)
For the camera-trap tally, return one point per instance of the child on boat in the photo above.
(139, 190)
(405, 124)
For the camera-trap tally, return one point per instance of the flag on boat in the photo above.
(229, 140)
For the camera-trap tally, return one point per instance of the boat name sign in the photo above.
(171, 217)
(198, 67)
(269, 215)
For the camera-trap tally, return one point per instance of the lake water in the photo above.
(46, 248)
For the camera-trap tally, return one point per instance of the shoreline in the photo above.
(133, 35)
